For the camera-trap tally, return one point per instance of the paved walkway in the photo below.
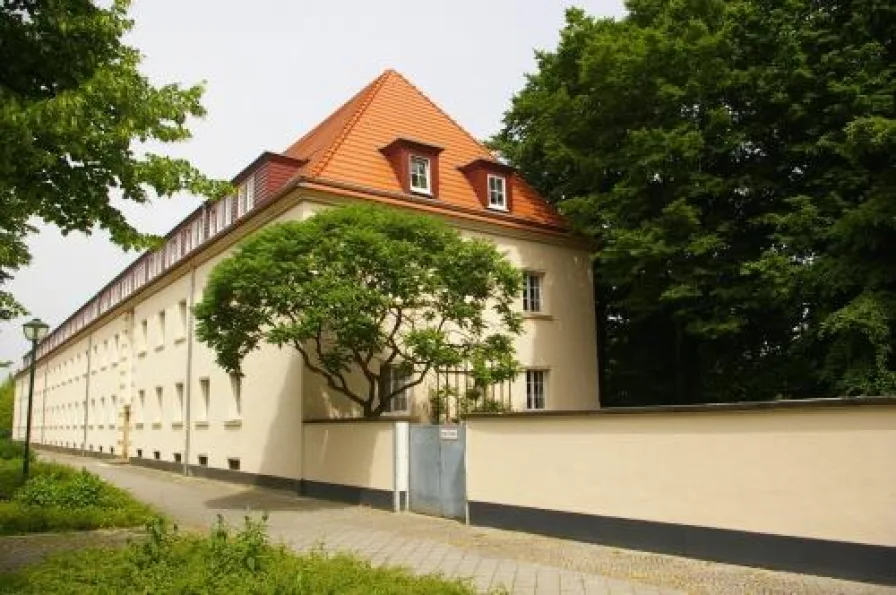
(492, 559)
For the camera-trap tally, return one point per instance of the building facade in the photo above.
(125, 375)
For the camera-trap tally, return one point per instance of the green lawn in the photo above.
(225, 561)
(60, 498)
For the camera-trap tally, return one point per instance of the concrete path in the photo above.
(491, 559)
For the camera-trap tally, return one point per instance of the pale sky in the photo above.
(273, 69)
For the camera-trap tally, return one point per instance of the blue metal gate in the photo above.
(437, 474)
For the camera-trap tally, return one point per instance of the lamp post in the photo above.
(35, 330)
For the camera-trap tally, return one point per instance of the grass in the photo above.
(225, 561)
(60, 498)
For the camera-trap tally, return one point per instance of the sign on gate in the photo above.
(437, 474)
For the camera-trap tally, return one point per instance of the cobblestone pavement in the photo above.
(491, 558)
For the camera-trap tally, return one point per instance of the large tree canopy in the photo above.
(73, 108)
(357, 288)
(736, 162)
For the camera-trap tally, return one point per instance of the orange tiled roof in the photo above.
(345, 148)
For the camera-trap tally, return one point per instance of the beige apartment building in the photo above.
(125, 376)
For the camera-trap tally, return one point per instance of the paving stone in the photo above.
(490, 557)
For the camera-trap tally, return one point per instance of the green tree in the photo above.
(74, 115)
(734, 161)
(356, 288)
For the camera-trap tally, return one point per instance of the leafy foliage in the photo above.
(74, 112)
(734, 162)
(7, 408)
(59, 498)
(226, 561)
(359, 287)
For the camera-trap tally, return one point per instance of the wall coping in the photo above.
(350, 420)
(839, 402)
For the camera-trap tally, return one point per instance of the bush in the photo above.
(59, 498)
(223, 562)
(12, 450)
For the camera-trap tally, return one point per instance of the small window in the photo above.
(202, 414)
(250, 193)
(236, 389)
(182, 318)
(177, 457)
(213, 218)
(144, 333)
(228, 211)
(161, 341)
(158, 404)
(241, 201)
(179, 409)
(157, 455)
(233, 464)
(420, 181)
(532, 292)
(203, 460)
(535, 388)
(141, 412)
(392, 378)
(139, 453)
(497, 192)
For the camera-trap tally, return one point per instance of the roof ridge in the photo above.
(439, 109)
(371, 92)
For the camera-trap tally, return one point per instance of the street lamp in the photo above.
(35, 330)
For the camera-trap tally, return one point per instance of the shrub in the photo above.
(12, 450)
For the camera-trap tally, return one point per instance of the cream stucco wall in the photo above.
(263, 428)
(353, 453)
(823, 473)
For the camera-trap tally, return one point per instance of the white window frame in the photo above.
(492, 194)
(160, 404)
(533, 294)
(178, 403)
(236, 397)
(213, 220)
(241, 201)
(228, 211)
(205, 399)
(428, 174)
(394, 376)
(250, 193)
(536, 378)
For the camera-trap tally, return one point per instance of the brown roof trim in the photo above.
(488, 164)
(413, 143)
(833, 403)
(434, 205)
(266, 156)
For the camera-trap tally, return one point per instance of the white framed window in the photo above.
(228, 211)
(391, 379)
(497, 192)
(213, 220)
(420, 174)
(532, 283)
(536, 388)
(202, 414)
(241, 201)
(159, 405)
(161, 318)
(197, 232)
(188, 240)
(236, 394)
(173, 251)
(140, 416)
(182, 319)
(179, 403)
(250, 193)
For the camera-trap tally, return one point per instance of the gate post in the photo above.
(400, 435)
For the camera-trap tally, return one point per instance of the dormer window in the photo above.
(497, 192)
(419, 172)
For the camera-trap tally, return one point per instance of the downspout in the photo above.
(188, 382)
(87, 393)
